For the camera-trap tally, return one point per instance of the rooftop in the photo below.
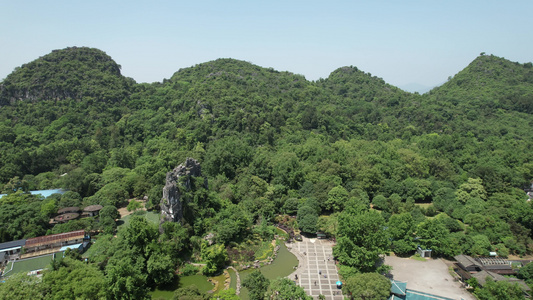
(483, 275)
(416, 295)
(93, 208)
(398, 287)
(12, 245)
(50, 239)
(64, 248)
(466, 260)
(399, 291)
(68, 209)
(66, 217)
(490, 261)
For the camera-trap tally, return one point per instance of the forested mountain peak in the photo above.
(233, 70)
(350, 82)
(494, 67)
(494, 81)
(487, 69)
(73, 72)
(348, 73)
(233, 93)
(218, 67)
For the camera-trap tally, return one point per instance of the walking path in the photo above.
(316, 272)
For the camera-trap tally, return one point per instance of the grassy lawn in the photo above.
(417, 257)
(89, 251)
(30, 264)
(151, 216)
(424, 205)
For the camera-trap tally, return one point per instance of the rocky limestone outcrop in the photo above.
(178, 181)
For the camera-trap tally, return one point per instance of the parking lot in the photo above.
(430, 276)
(316, 271)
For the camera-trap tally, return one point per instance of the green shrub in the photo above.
(190, 270)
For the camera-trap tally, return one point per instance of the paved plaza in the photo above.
(429, 276)
(316, 271)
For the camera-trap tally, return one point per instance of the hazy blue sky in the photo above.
(403, 42)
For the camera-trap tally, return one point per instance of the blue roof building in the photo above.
(399, 291)
(398, 288)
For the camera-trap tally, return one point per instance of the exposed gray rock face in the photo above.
(178, 181)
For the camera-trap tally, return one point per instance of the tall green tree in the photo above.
(286, 289)
(432, 234)
(75, 280)
(161, 268)
(139, 234)
(337, 198)
(307, 218)
(215, 257)
(125, 276)
(257, 284)
(361, 239)
(401, 229)
(526, 273)
(472, 189)
(22, 286)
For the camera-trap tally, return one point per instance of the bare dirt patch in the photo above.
(123, 211)
(523, 257)
(430, 276)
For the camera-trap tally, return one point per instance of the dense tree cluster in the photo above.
(368, 286)
(124, 267)
(376, 167)
(260, 288)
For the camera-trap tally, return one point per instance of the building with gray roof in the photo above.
(9, 249)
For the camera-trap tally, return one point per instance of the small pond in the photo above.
(199, 280)
(282, 266)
